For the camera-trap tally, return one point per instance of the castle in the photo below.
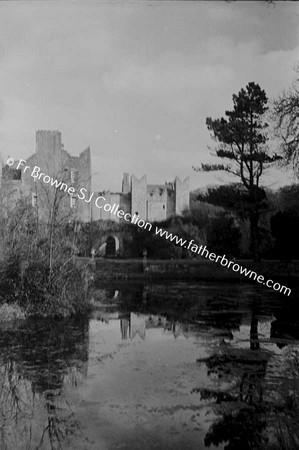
(150, 202)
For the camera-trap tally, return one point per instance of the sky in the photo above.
(135, 80)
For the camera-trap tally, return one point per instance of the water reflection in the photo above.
(38, 359)
(239, 392)
(159, 366)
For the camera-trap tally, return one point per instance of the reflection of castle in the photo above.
(136, 324)
(132, 325)
(149, 202)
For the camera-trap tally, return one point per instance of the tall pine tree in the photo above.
(241, 138)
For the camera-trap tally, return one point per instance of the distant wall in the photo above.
(82, 166)
(11, 192)
(126, 183)
(181, 195)
(156, 203)
(48, 149)
(138, 199)
(170, 203)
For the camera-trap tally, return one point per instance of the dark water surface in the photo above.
(163, 366)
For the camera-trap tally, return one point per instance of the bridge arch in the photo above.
(108, 246)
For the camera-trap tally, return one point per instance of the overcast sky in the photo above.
(136, 80)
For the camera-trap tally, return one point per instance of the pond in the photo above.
(155, 366)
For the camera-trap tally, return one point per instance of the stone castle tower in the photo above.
(139, 196)
(155, 202)
(181, 189)
(151, 202)
(55, 162)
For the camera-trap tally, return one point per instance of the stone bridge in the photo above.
(109, 244)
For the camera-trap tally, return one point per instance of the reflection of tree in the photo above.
(240, 392)
(242, 431)
(60, 424)
(242, 423)
(246, 417)
(285, 413)
(36, 361)
(286, 325)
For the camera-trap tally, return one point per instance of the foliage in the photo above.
(242, 136)
(25, 273)
(242, 140)
(222, 232)
(234, 197)
(185, 227)
(288, 197)
(284, 228)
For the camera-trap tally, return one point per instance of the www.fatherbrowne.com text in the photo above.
(203, 251)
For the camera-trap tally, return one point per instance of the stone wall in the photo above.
(11, 193)
(181, 195)
(138, 196)
(156, 203)
(81, 165)
(170, 203)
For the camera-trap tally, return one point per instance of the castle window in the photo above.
(16, 174)
(163, 206)
(73, 175)
(34, 199)
(73, 201)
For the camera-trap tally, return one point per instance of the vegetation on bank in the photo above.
(38, 271)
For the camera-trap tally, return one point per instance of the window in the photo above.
(34, 199)
(73, 176)
(73, 201)
(163, 206)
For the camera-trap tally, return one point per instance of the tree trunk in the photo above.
(254, 239)
(254, 336)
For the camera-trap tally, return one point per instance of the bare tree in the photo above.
(286, 117)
